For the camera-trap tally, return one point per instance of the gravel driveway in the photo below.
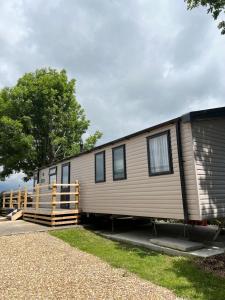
(39, 266)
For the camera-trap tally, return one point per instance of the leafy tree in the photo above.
(41, 122)
(214, 7)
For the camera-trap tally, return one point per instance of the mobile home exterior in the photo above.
(174, 170)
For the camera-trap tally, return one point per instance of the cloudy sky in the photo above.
(136, 62)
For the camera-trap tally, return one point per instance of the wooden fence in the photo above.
(14, 199)
(43, 196)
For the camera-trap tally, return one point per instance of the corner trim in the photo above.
(182, 175)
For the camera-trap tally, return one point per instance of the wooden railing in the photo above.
(43, 196)
(14, 199)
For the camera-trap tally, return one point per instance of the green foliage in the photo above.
(16, 147)
(91, 140)
(179, 274)
(214, 7)
(40, 122)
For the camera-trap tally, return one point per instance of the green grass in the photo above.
(178, 274)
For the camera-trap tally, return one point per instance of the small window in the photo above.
(100, 167)
(65, 174)
(52, 175)
(119, 163)
(159, 154)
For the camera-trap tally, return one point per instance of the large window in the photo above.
(52, 175)
(100, 167)
(159, 154)
(119, 163)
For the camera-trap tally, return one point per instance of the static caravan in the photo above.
(174, 170)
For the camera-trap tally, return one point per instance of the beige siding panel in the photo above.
(209, 148)
(139, 194)
(190, 172)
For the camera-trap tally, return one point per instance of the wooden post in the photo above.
(54, 190)
(11, 200)
(25, 198)
(19, 199)
(37, 198)
(77, 194)
(3, 200)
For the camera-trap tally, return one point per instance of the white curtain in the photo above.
(159, 158)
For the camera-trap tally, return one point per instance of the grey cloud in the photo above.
(137, 63)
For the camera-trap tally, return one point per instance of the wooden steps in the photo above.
(17, 215)
(11, 214)
(6, 211)
(52, 218)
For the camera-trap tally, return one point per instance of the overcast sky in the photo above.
(136, 62)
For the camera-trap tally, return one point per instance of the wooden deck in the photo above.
(51, 217)
(30, 203)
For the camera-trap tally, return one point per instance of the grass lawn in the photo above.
(178, 274)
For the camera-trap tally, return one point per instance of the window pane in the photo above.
(65, 174)
(52, 171)
(100, 172)
(159, 155)
(52, 179)
(119, 164)
(35, 179)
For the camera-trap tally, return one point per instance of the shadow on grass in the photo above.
(187, 280)
(137, 250)
(206, 285)
(179, 274)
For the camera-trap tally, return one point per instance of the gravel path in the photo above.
(39, 266)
